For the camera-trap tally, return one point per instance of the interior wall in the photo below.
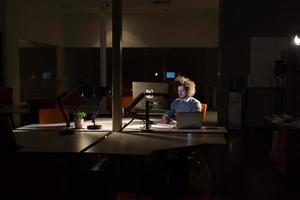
(142, 30)
(2, 31)
(210, 74)
(35, 63)
(141, 64)
(242, 20)
(39, 21)
(11, 71)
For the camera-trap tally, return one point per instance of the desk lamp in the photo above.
(74, 92)
(77, 92)
(148, 107)
(94, 126)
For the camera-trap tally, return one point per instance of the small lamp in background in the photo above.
(297, 39)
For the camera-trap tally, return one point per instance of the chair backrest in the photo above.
(7, 137)
(51, 115)
(125, 101)
(203, 111)
(6, 95)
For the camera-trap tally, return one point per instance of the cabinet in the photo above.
(286, 147)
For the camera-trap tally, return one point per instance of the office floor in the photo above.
(248, 173)
(253, 174)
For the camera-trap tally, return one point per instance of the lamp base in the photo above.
(147, 131)
(67, 131)
(94, 127)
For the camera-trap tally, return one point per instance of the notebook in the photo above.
(188, 120)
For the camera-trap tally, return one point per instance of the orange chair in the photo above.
(203, 111)
(51, 115)
(125, 101)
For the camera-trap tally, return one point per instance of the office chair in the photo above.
(203, 111)
(6, 95)
(8, 142)
(51, 115)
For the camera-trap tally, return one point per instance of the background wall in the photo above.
(36, 84)
(141, 64)
(39, 21)
(241, 20)
(142, 30)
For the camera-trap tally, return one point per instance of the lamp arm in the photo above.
(99, 107)
(138, 98)
(62, 97)
(135, 101)
(66, 117)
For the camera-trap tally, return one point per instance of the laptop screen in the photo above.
(188, 120)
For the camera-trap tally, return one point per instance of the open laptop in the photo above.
(188, 120)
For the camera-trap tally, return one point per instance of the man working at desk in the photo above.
(185, 103)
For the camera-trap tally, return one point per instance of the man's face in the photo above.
(182, 92)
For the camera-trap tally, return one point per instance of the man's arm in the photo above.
(168, 117)
(196, 106)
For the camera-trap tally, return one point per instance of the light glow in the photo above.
(297, 40)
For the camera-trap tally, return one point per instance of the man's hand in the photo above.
(165, 120)
(173, 122)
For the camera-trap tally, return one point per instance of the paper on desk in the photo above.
(152, 126)
(162, 126)
(294, 124)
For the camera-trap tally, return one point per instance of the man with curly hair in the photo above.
(185, 103)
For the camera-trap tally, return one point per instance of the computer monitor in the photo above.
(170, 75)
(158, 102)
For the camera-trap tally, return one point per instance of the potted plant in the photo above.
(79, 119)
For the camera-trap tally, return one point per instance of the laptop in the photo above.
(188, 120)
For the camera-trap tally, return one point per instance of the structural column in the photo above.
(11, 71)
(116, 64)
(102, 35)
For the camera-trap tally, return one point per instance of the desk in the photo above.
(158, 127)
(47, 141)
(141, 144)
(45, 138)
(285, 146)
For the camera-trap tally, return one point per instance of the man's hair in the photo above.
(189, 85)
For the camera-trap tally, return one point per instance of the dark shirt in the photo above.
(189, 105)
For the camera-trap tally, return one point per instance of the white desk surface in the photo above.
(51, 141)
(138, 143)
(135, 126)
(45, 138)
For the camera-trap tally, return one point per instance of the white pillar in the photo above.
(62, 74)
(11, 51)
(117, 64)
(102, 35)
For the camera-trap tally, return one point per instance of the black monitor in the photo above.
(158, 102)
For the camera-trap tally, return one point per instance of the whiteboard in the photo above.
(264, 52)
